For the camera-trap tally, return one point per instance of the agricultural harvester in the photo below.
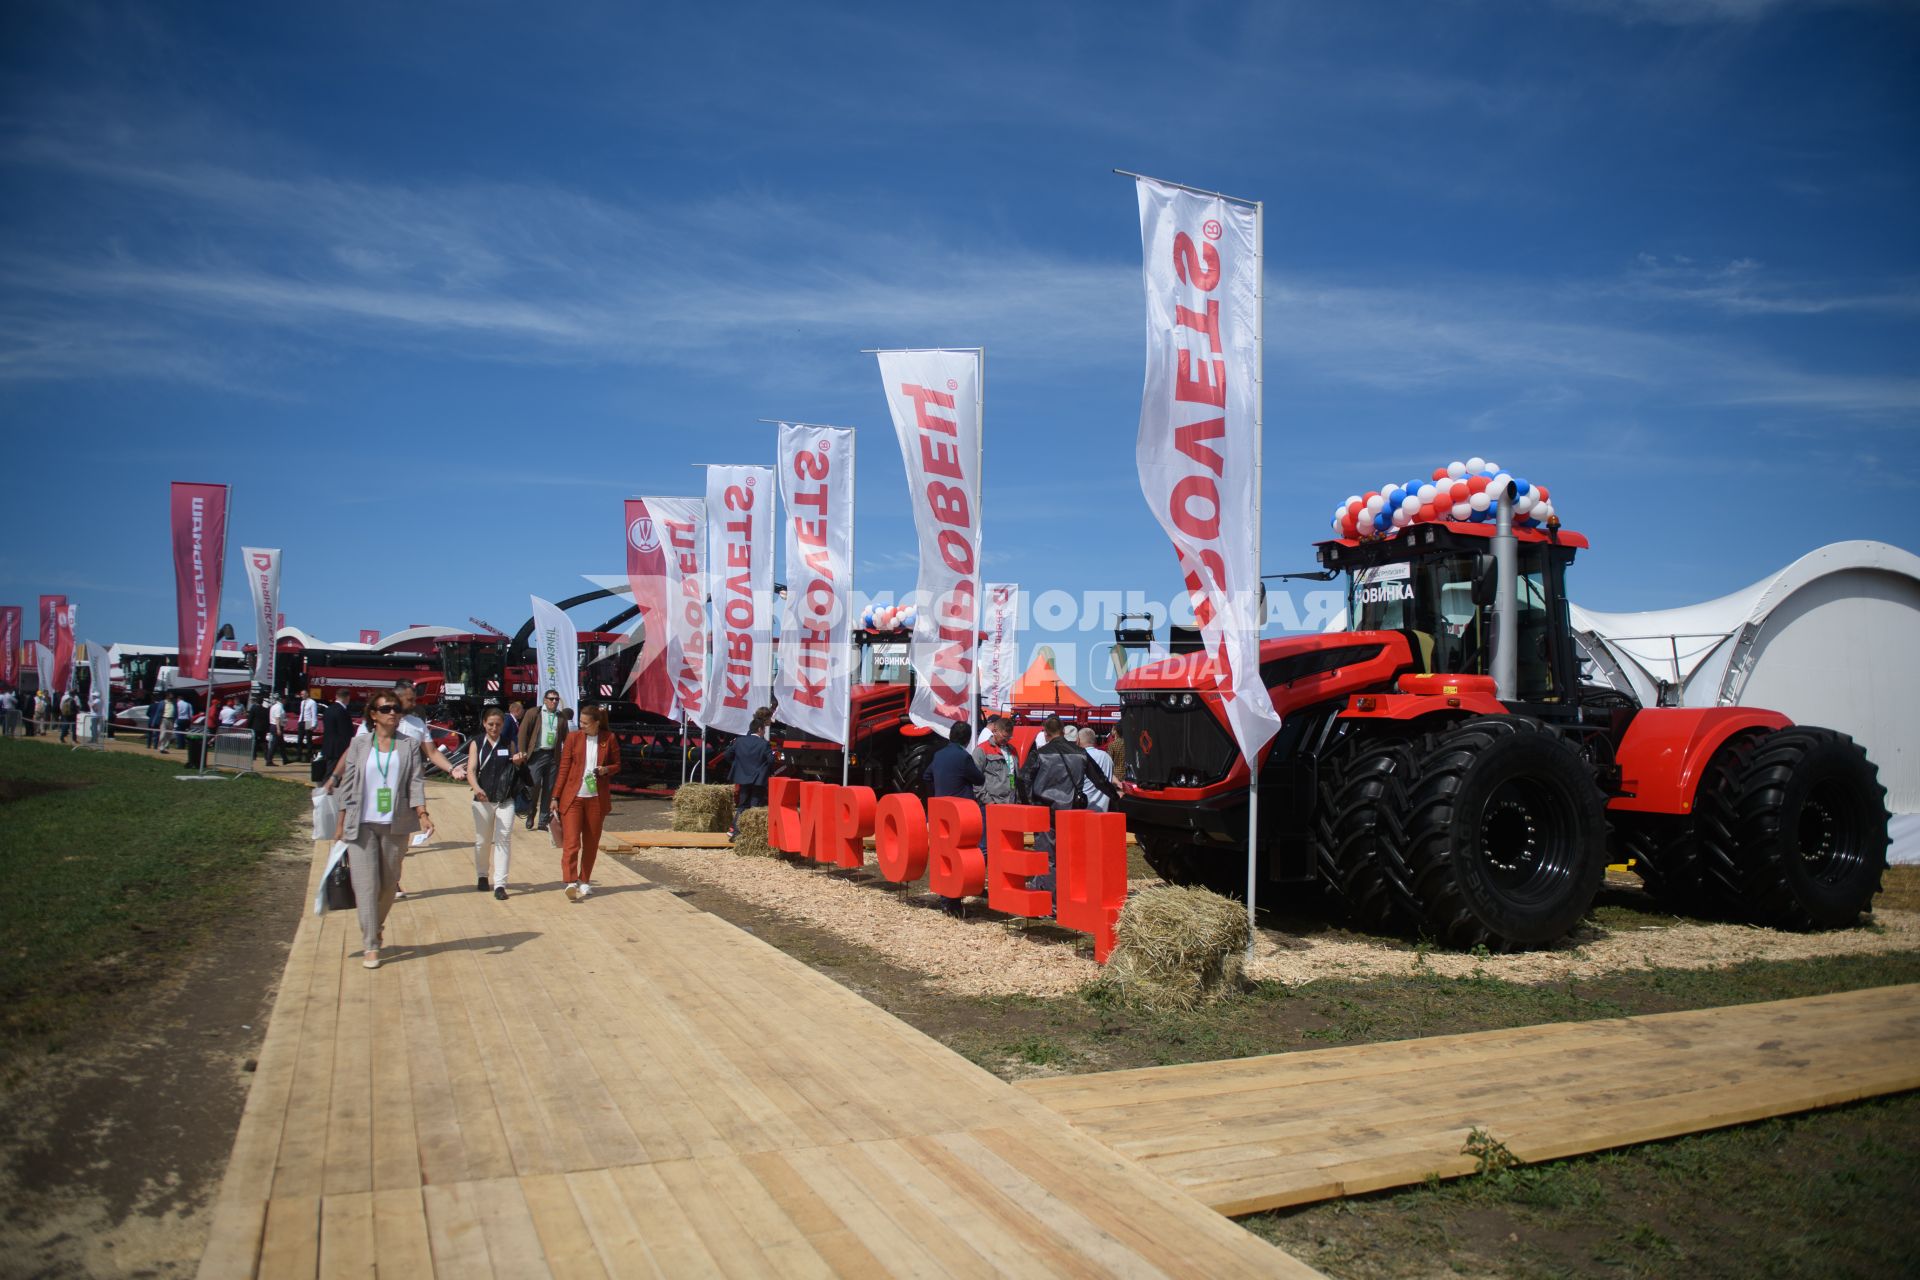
(1442, 767)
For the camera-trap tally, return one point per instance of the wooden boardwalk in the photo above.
(1264, 1133)
(628, 1086)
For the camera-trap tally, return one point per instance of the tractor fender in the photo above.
(1413, 706)
(1666, 750)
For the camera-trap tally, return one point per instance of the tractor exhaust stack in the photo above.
(1506, 635)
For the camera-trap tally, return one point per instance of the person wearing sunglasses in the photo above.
(383, 799)
(543, 735)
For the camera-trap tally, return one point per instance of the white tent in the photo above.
(1833, 639)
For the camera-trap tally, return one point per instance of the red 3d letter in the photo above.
(1092, 865)
(1010, 862)
(852, 822)
(783, 815)
(953, 838)
(900, 837)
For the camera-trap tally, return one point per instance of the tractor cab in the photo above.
(1436, 586)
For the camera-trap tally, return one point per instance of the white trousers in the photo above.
(492, 825)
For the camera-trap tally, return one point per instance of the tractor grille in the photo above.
(1172, 740)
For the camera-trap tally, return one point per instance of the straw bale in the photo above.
(750, 833)
(703, 806)
(1177, 948)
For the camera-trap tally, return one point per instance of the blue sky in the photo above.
(395, 270)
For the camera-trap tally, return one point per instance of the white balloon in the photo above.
(1401, 519)
(1476, 465)
(1461, 510)
(1410, 503)
(1523, 504)
(1492, 468)
(1456, 470)
(1351, 499)
(1427, 492)
(1480, 501)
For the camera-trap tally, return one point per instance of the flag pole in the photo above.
(846, 730)
(1259, 449)
(979, 543)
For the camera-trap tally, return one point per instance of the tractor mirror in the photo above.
(1486, 581)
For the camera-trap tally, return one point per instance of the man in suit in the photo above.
(752, 762)
(952, 772)
(336, 734)
(542, 734)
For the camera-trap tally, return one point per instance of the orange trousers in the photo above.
(580, 837)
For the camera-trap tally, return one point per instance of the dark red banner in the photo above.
(63, 644)
(10, 646)
(199, 552)
(647, 575)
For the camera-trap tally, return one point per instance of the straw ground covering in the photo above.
(1177, 948)
(703, 806)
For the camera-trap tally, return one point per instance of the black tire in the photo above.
(1793, 828)
(1504, 834)
(1179, 861)
(1356, 837)
(1666, 855)
(915, 755)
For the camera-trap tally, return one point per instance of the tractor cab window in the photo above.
(885, 662)
(1430, 601)
(456, 663)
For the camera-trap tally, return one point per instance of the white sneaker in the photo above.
(573, 892)
(586, 890)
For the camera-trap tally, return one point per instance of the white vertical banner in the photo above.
(682, 525)
(814, 684)
(1199, 445)
(99, 686)
(43, 667)
(999, 646)
(934, 397)
(556, 654)
(263, 579)
(740, 574)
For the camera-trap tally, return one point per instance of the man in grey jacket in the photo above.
(1055, 772)
(994, 754)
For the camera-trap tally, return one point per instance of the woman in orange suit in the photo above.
(589, 759)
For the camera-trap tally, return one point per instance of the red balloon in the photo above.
(1478, 484)
(1427, 512)
(1460, 492)
(1540, 492)
(1439, 473)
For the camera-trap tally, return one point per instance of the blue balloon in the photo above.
(1520, 487)
(1383, 521)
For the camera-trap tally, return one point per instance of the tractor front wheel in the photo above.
(1794, 823)
(1354, 838)
(1504, 834)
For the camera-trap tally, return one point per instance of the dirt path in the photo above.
(114, 1146)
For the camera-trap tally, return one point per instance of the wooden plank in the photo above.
(644, 840)
(456, 1231)
(395, 1138)
(347, 1245)
(233, 1245)
(300, 1166)
(403, 1247)
(513, 1243)
(616, 1236)
(290, 1246)
(564, 1235)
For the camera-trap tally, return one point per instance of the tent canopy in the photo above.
(1041, 683)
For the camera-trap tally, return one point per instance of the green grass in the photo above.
(111, 870)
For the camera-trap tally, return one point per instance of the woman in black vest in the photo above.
(492, 774)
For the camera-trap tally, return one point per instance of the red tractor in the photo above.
(1443, 768)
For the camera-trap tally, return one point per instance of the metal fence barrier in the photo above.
(228, 749)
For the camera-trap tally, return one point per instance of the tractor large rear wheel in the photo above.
(1504, 834)
(1666, 855)
(1793, 823)
(1355, 833)
(912, 761)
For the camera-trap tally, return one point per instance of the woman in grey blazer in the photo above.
(383, 800)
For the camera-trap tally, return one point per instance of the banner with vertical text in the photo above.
(934, 397)
(556, 654)
(652, 595)
(683, 537)
(1198, 448)
(10, 646)
(199, 520)
(999, 646)
(814, 682)
(263, 580)
(740, 575)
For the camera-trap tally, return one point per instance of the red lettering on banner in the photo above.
(691, 677)
(1092, 863)
(817, 600)
(900, 837)
(1010, 863)
(739, 613)
(1197, 265)
(846, 842)
(1191, 439)
(955, 868)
